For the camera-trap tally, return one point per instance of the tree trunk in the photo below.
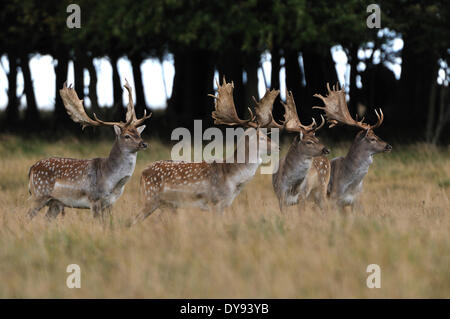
(329, 67)
(118, 109)
(444, 114)
(12, 109)
(193, 81)
(275, 81)
(93, 85)
(251, 87)
(202, 70)
(78, 70)
(319, 69)
(419, 69)
(354, 98)
(175, 103)
(138, 85)
(31, 113)
(294, 77)
(230, 66)
(61, 68)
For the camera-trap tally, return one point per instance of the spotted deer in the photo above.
(211, 186)
(94, 183)
(347, 173)
(304, 170)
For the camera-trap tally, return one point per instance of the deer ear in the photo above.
(140, 129)
(117, 130)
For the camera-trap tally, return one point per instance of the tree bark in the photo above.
(12, 109)
(31, 113)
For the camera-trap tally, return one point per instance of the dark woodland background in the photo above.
(230, 37)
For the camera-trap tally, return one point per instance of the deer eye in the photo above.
(309, 143)
(127, 136)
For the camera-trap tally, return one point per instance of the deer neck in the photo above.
(120, 163)
(242, 169)
(357, 162)
(297, 163)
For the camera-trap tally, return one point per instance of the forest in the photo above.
(229, 38)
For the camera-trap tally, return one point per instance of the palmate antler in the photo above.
(292, 122)
(336, 110)
(75, 109)
(225, 110)
(263, 109)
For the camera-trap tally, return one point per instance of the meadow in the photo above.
(252, 251)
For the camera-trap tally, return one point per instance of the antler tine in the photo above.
(131, 113)
(225, 110)
(131, 118)
(336, 109)
(291, 120)
(322, 123)
(263, 110)
(380, 117)
(75, 109)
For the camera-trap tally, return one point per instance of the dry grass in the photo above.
(252, 251)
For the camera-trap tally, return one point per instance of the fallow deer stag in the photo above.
(304, 170)
(347, 173)
(211, 186)
(95, 183)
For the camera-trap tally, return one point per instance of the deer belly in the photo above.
(186, 198)
(71, 195)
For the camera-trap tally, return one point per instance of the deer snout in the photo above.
(387, 148)
(143, 145)
(325, 151)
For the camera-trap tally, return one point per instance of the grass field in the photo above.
(250, 252)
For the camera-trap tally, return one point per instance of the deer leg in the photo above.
(37, 206)
(305, 190)
(148, 209)
(54, 208)
(357, 206)
(281, 204)
(96, 209)
(320, 198)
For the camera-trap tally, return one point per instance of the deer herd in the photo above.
(303, 172)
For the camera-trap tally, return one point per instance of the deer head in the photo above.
(336, 111)
(128, 133)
